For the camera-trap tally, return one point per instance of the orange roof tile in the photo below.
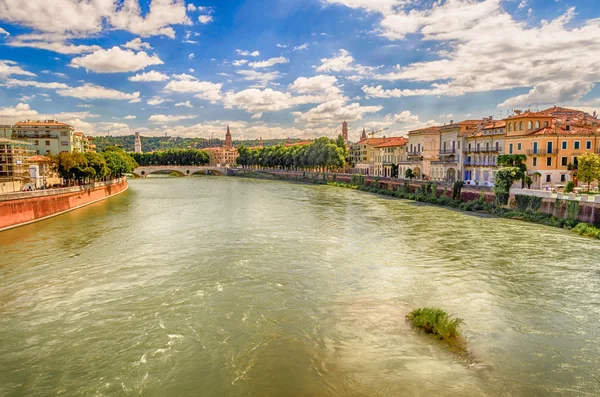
(426, 129)
(372, 141)
(528, 114)
(39, 159)
(561, 130)
(393, 141)
(33, 123)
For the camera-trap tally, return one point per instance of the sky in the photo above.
(292, 68)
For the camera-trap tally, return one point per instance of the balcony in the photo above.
(480, 164)
(540, 152)
(484, 150)
(414, 153)
(447, 152)
(445, 162)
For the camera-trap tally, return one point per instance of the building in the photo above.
(224, 156)
(449, 165)
(138, 143)
(552, 140)
(14, 164)
(388, 155)
(43, 175)
(422, 148)
(481, 151)
(6, 131)
(363, 152)
(50, 136)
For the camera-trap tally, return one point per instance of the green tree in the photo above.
(98, 164)
(409, 174)
(588, 169)
(505, 177)
(516, 161)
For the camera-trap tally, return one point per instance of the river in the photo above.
(217, 286)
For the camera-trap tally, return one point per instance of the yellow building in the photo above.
(552, 140)
(449, 165)
(388, 155)
(224, 156)
(363, 154)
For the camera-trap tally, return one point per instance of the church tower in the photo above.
(345, 131)
(137, 148)
(364, 135)
(260, 143)
(228, 141)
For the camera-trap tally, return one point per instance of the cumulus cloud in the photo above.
(248, 53)
(152, 75)
(116, 60)
(62, 47)
(262, 77)
(204, 19)
(161, 118)
(186, 104)
(203, 89)
(21, 110)
(155, 101)
(239, 62)
(137, 44)
(2, 31)
(335, 111)
(91, 17)
(8, 68)
(91, 91)
(254, 100)
(550, 92)
(129, 117)
(268, 63)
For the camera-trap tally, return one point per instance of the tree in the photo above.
(98, 164)
(505, 177)
(516, 161)
(118, 161)
(588, 169)
(409, 174)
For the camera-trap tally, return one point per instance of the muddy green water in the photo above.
(215, 286)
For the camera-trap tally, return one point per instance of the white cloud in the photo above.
(60, 46)
(137, 44)
(262, 77)
(8, 68)
(115, 60)
(335, 111)
(161, 118)
(91, 91)
(184, 76)
(84, 105)
(191, 7)
(204, 19)
(342, 61)
(301, 47)
(152, 75)
(203, 89)
(191, 56)
(282, 45)
(522, 4)
(317, 84)
(268, 63)
(248, 53)
(155, 101)
(22, 110)
(33, 83)
(129, 117)
(2, 31)
(90, 17)
(186, 104)
(550, 92)
(257, 101)
(239, 62)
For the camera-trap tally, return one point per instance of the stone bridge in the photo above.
(180, 169)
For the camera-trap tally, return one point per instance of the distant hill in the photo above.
(150, 144)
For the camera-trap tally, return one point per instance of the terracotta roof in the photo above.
(393, 141)
(39, 159)
(78, 133)
(33, 123)
(372, 141)
(468, 122)
(528, 114)
(427, 129)
(558, 109)
(495, 124)
(573, 130)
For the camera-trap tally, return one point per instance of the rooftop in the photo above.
(393, 142)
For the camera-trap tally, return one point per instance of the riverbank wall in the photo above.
(567, 208)
(18, 209)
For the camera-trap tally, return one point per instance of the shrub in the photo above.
(436, 322)
(585, 229)
(569, 187)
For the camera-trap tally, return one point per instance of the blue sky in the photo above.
(279, 68)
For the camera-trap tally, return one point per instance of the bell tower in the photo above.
(228, 141)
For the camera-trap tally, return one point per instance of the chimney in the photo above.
(451, 121)
(518, 112)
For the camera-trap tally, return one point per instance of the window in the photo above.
(469, 147)
(549, 147)
(47, 143)
(576, 145)
(529, 125)
(563, 178)
(548, 178)
(519, 146)
(568, 128)
(537, 124)
(549, 162)
(535, 147)
(535, 161)
(497, 146)
(510, 126)
(458, 145)
(510, 149)
(564, 145)
(36, 142)
(63, 133)
(564, 161)
(64, 143)
(545, 124)
(588, 145)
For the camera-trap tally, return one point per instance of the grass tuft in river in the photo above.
(440, 324)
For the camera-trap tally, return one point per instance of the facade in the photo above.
(14, 164)
(481, 151)
(388, 156)
(422, 148)
(224, 156)
(363, 154)
(50, 137)
(552, 140)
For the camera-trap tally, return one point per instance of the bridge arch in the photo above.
(144, 171)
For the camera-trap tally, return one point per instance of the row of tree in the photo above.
(323, 154)
(173, 157)
(91, 166)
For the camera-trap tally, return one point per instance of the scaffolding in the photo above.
(14, 163)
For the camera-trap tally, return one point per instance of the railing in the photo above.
(480, 164)
(540, 152)
(454, 162)
(483, 150)
(447, 151)
(414, 153)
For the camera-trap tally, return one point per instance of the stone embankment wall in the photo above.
(17, 209)
(589, 209)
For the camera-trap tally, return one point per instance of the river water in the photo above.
(215, 286)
